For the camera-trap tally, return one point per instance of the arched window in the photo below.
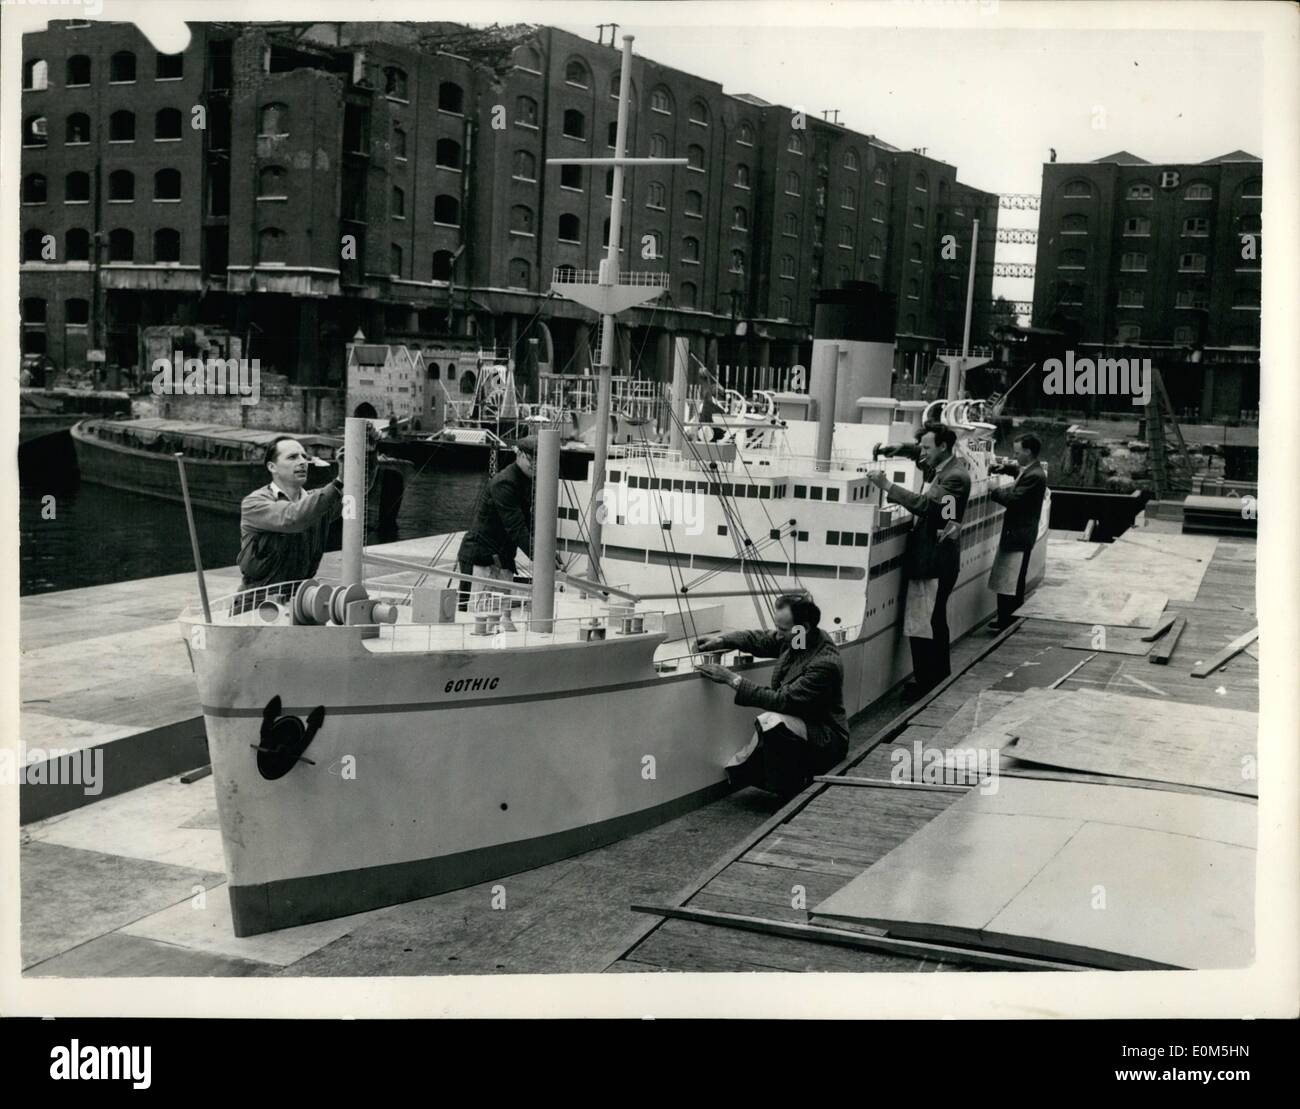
(571, 178)
(921, 183)
(785, 309)
(913, 289)
(1072, 260)
(446, 209)
(433, 370)
(167, 185)
(661, 101)
(121, 185)
(575, 124)
(1199, 191)
(1245, 297)
(695, 157)
(918, 217)
(525, 166)
(746, 135)
(846, 197)
(876, 248)
(397, 209)
(526, 111)
(121, 67)
(166, 245)
(395, 82)
(656, 198)
(698, 112)
(121, 126)
(34, 310)
(76, 187)
(77, 71)
(787, 266)
(742, 176)
(1074, 223)
(168, 67)
(570, 230)
(916, 252)
(846, 235)
(694, 203)
(1252, 189)
(448, 154)
(1133, 261)
(272, 183)
(34, 245)
(604, 241)
(521, 219)
(399, 141)
(609, 182)
(76, 312)
(881, 176)
(394, 260)
(690, 249)
(1191, 262)
(77, 129)
(1139, 190)
(451, 98)
(442, 262)
(528, 58)
(795, 143)
(577, 73)
(1129, 332)
(520, 274)
(851, 160)
(121, 245)
(792, 183)
(737, 261)
(1077, 189)
(658, 146)
(1196, 226)
(740, 218)
(1249, 224)
(790, 225)
(273, 120)
(271, 246)
(36, 75)
(690, 295)
(167, 124)
(76, 245)
(34, 189)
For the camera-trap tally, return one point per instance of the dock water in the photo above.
(133, 883)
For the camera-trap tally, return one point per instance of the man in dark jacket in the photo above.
(932, 559)
(1024, 504)
(802, 730)
(503, 524)
(283, 528)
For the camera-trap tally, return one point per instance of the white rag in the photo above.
(921, 597)
(1005, 574)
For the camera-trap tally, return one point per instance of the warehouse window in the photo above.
(526, 111)
(166, 245)
(1139, 191)
(76, 245)
(167, 124)
(274, 121)
(121, 127)
(570, 229)
(451, 98)
(521, 274)
(167, 185)
(121, 67)
(271, 183)
(448, 154)
(690, 295)
(271, 246)
(33, 245)
(76, 188)
(398, 207)
(442, 263)
(77, 71)
(168, 67)
(121, 185)
(446, 210)
(746, 135)
(742, 176)
(34, 188)
(1199, 191)
(36, 75)
(121, 245)
(76, 312)
(525, 166)
(77, 129)
(395, 82)
(575, 124)
(571, 178)
(576, 73)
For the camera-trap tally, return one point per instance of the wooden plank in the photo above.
(1161, 651)
(1101, 605)
(1112, 641)
(1020, 869)
(1204, 669)
(1160, 629)
(1130, 737)
(886, 783)
(844, 938)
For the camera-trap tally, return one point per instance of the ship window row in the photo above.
(712, 488)
(817, 492)
(848, 538)
(121, 70)
(887, 566)
(883, 535)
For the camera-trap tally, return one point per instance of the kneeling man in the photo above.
(802, 730)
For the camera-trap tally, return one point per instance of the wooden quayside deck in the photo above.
(749, 911)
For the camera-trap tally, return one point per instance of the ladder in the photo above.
(1170, 461)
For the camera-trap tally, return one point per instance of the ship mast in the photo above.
(608, 293)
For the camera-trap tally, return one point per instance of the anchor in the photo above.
(284, 739)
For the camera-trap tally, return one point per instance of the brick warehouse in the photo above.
(1162, 262)
(296, 183)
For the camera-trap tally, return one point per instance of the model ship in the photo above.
(372, 743)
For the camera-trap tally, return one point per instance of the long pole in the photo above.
(954, 387)
(609, 276)
(354, 498)
(546, 483)
(194, 538)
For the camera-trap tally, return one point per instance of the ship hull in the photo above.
(418, 785)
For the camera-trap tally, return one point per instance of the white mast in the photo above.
(955, 379)
(610, 293)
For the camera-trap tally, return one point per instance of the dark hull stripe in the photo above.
(292, 901)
